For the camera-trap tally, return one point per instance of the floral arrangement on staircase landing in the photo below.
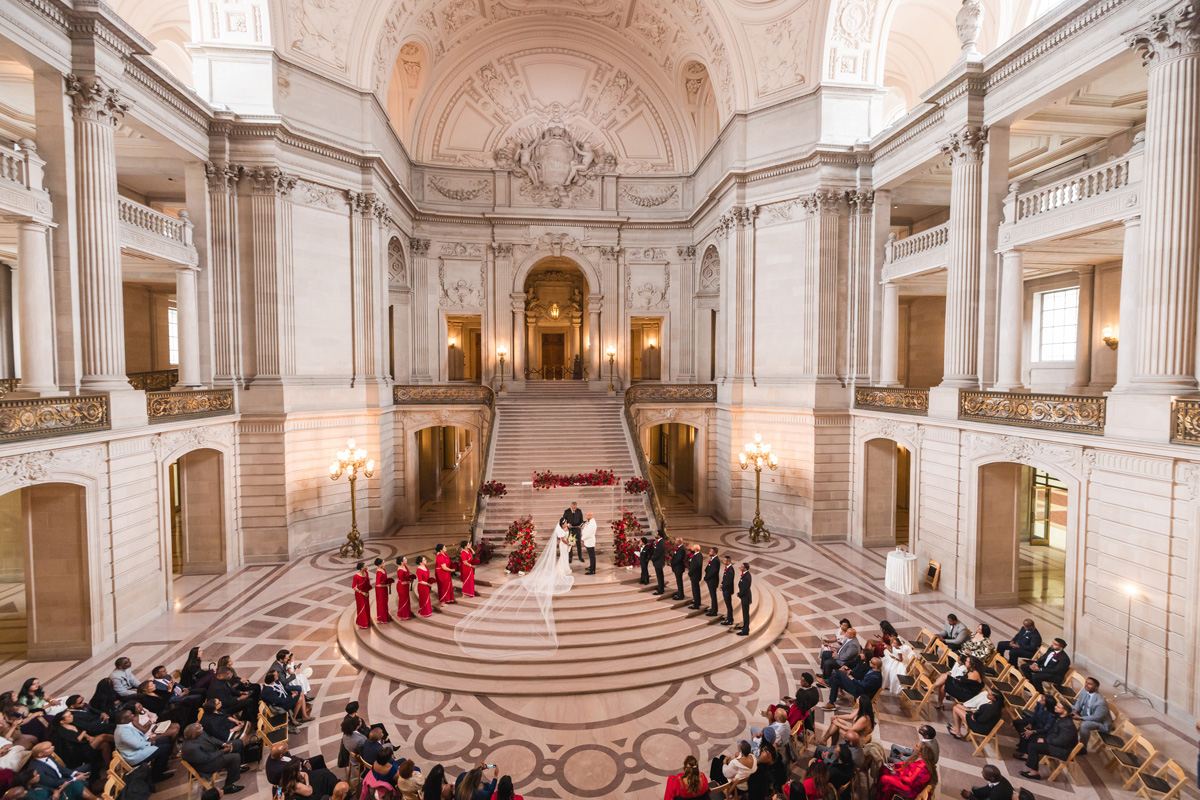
(626, 531)
(485, 550)
(550, 480)
(523, 557)
(493, 489)
(637, 486)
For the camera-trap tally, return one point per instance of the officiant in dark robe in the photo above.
(573, 522)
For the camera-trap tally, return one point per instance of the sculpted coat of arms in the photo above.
(556, 166)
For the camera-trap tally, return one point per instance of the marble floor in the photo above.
(615, 744)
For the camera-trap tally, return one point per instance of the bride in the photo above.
(517, 620)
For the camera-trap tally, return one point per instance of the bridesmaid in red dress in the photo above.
(425, 605)
(404, 580)
(382, 582)
(468, 561)
(444, 575)
(362, 596)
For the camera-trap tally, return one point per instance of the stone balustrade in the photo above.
(21, 173)
(1059, 412)
(896, 400)
(671, 393)
(42, 417)
(156, 234)
(175, 406)
(158, 380)
(1105, 178)
(439, 395)
(918, 253)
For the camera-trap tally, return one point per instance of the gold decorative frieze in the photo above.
(671, 393)
(173, 406)
(1060, 412)
(1185, 422)
(40, 417)
(470, 394)
(158, 380)
(901, 401)
(8, 385)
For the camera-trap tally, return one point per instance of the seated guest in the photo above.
(471, 786)
(284, 664)
(961, 683)
(926, 735)
(219, 725)
(866, 686)
(979, 720)
(125, 683)
(370, 749)
(995, 787)
(88, 719)
(352, 711)
(54, 776)
(33, 697)
(409, 781)
(860, 721)
(1058, 742)
(77, 749)
(208, 755)
(137, 746)
(979, 645)
(908, 778)
(169, 689)
(842, 765)
(435, 784)
(1023, 644)
(13, 743)
(688, 783)
(352, 737)
(953, 634)
(240, 683)
(879, 643)
(383, 766)
(734, 770)
(504, 789)
(816, 781)
(294, 783)
(147, 721)
(1034, 723)
(1091, 709)
(151, 700)
(768, 766)
(897, 655)
(105, 700)
(322, 780)
(277, 694)
(1049, 668)
(846, 655)
(799, 707)
(194, 677)
(226, 688)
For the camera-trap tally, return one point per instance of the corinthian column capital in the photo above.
(93, 99)
(222, 177)
(271, 180)
(1168, 35)
(967, 145)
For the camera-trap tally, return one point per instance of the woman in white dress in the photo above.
(897, 654)
(562, 536)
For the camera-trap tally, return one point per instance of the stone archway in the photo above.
(556, 292)
(887, 493)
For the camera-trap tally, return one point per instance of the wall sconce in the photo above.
(1108, 337)
(554, 311)
(651, 343)
(453, 341)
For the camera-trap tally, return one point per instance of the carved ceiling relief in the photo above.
(780, 49)
(850, 51)
(320, 29)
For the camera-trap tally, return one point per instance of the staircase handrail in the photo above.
(475, 524)
(643, 466)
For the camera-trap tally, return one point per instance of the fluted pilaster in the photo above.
(862, 282)
(97, 107)
(419, 250)
(274, 291)
(366, 212)
(961, 364)
(825, 208)
(1131, 303)
(684, 321)
(223, 264)
(1012, 322)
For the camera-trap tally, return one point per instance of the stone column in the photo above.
(274, 294)
(1084, 340)
(1166, 339)
(419, 250)
(824, 288)
(531, 343)
(889, 362)
(863, 282)
(576, 336)
(35, 312)
(684, 321)
(223, 262)
(366, 210)
(1012, 323)
(516, 349)
(595, 349)
(97, 107)
(187, 304)
(742, 220)
(961, 364)
(1131, 298)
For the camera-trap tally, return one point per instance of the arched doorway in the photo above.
(556, 295)
(447, 473)
(197, 513)
(675, 465)
(887, 493)
(1023, 538)
(45, 597)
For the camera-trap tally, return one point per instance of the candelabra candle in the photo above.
(350, 462)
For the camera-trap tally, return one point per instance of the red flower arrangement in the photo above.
(493, 489)
(626, 531)
(485, 551)
(549, 480)
(637, 486)
(520, 533)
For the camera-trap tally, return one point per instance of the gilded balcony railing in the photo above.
(40, 417)
(8, 385)
(440, 395)
(671, 393)
(1059, 412)
(175, 406)
(158, 380)
(1185, 422)
(897, 400)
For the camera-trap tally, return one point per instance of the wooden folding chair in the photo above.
(1020, 698)
(113, 787)
(981, 741)
(119, 766)
(998, 667)
(1119, 738)
(924, 794)
(1059, 766)
(195, 777)
(925, 639)
(1133, 760)
(916, 697)
(1157, 786)
(1068, 691)
(944, 659)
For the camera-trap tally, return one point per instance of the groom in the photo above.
(573, 520)
(588, 537)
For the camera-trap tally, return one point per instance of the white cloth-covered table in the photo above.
(902, 576)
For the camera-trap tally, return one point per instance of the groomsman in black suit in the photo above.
(695, 571)
(660, 560)
(712, 576)
(644, 559)
(573, 518)
(746, 598)
(678, 565)
(727, 580)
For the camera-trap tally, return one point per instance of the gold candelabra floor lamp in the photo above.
(502, 353)
(758, 454)
(350, 462)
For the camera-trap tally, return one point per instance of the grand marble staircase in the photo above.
(613, 633)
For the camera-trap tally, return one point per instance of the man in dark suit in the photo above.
(232, 700)
(573, 518)
(53, 774)
(660, 560)
(712, 577)
(844, 681)
(1023, 645)
(695, 572)
(727, 581)
(997, 787)
(644, 559)
(678, 565)
(1050, 668)
(208, 756)
(746, 597)
(1058, 742)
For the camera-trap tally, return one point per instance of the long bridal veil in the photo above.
(517, 620)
